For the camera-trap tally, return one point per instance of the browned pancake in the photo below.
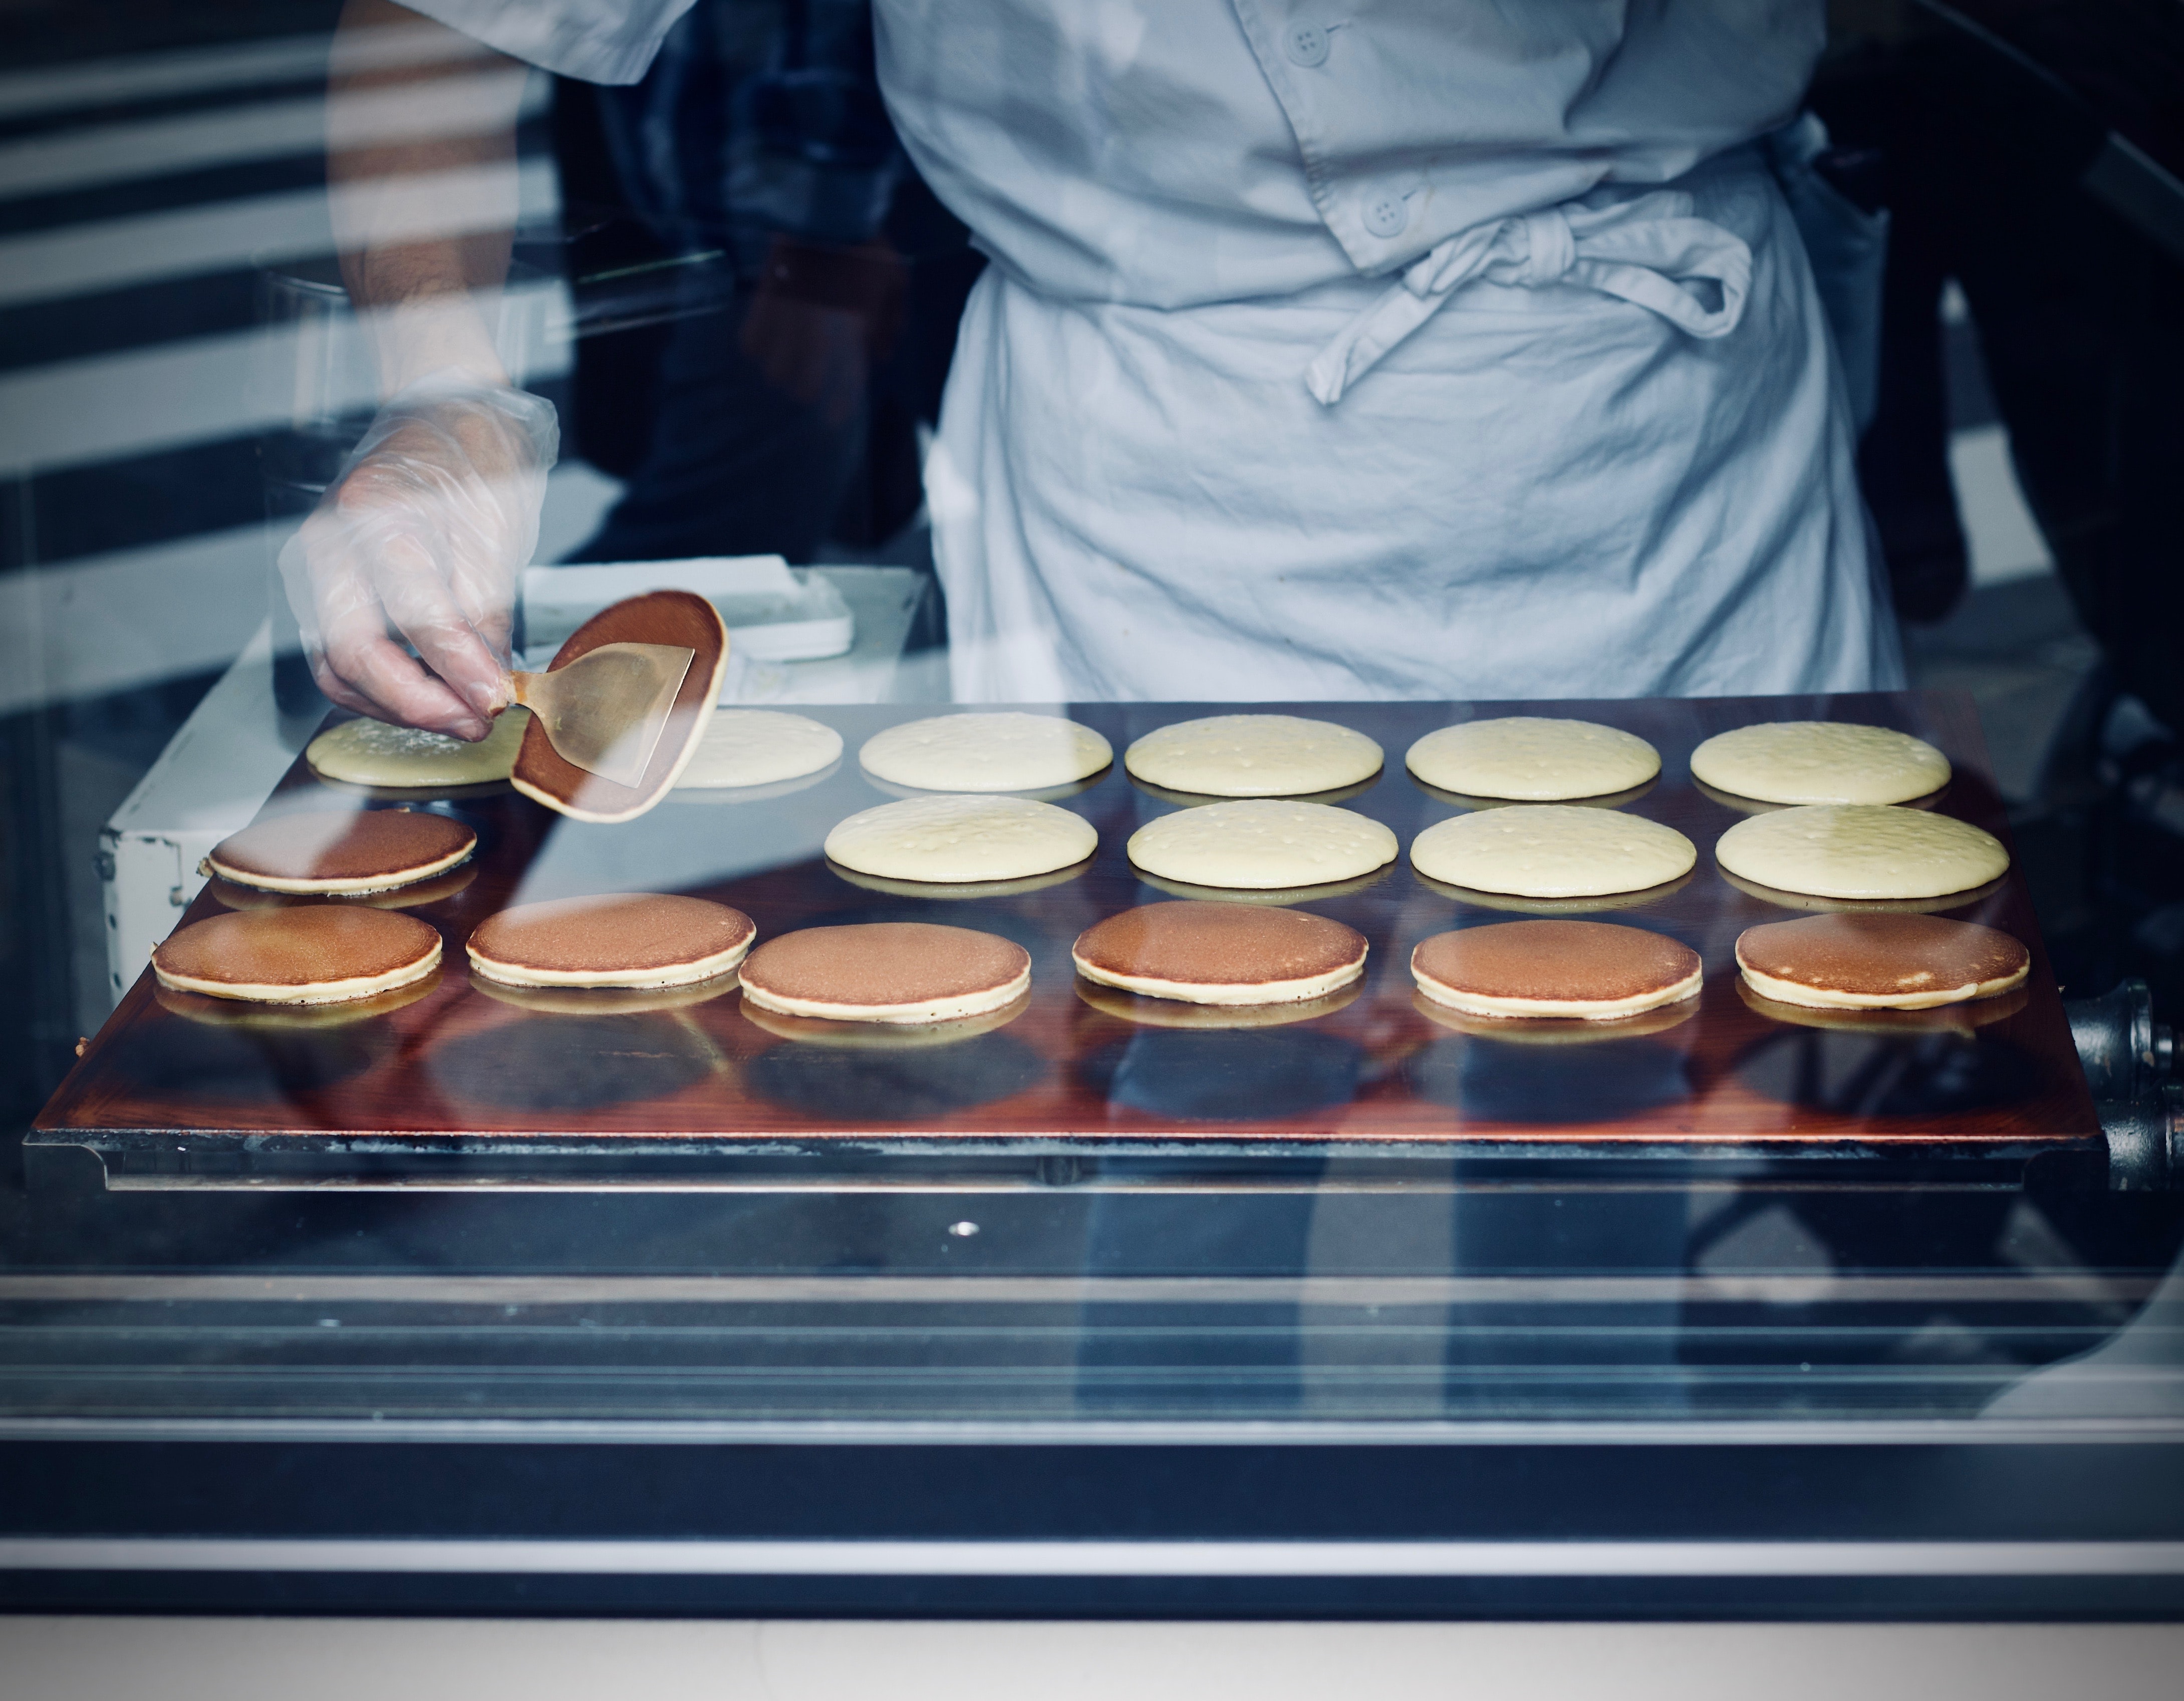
(1220, 953)
(335, 850)
(1890, 959)
(1592, 969)
(677, 617)
(312, 954)
(634, 938)
(886, 972)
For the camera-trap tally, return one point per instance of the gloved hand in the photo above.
(435, 514)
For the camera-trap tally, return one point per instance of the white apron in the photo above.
(1542, 490)
(1432, 351)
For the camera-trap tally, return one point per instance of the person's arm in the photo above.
(425, 532)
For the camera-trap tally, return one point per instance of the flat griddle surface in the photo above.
(457, 1064)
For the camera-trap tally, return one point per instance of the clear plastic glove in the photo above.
(422, 539)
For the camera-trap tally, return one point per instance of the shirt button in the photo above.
(1306, 44)
(1386, 214)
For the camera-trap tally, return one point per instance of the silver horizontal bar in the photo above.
(1095, 1558)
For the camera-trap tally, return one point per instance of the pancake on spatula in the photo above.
(334, 852)
(911, 971)
(680, 618)
(1595, 970)
(1885, 961)
(633, 939)
(1215, 953)
(313, 954)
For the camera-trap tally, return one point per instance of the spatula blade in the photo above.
(609, 706)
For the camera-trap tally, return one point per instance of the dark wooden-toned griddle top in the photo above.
(1372, 1073)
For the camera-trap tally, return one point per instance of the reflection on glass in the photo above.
(860, 1074)
(1886, 1074)
(1239, 1076)
(1499, 1081)
(572, 1063)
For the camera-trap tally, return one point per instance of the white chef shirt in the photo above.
(1197, 423)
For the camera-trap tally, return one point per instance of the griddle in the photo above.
(455, 1082)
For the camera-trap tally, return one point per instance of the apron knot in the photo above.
(1651, 251)
(1550, 248)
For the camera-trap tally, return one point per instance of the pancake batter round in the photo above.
(637, 939)
(1262, 843)
(336, 851)
(744, 747)
(1552, 850)
(383, 757)
(1253, 756)
(1533, 759)
(1006, 750)
(1861, 850)
(1820, 761)
(1216, 953)
(962, 838)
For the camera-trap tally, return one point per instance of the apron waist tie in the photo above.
(1643, 250)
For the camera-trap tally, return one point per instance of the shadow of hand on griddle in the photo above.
(1226, 1076)
(572, 1063)
(200, 1061)
(1886, 1074)
(1496, 1080)
(894, 1086)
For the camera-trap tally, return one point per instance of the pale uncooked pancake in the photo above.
(950, 838)
(1216, 953)
(1861, 850)
(1552, 850)
(1262, 844)
(631, 938)
(1003, 750)
(1820, 761)
(313, 954)
(1533, 759)
(744, 747)
(341, 851)
(912, 972)
(1883, 961)
(373, 753)
(1596, 970)
(1253, 756)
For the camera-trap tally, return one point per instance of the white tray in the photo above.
(774, 612)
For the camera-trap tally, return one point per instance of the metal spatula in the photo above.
(605, 711)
